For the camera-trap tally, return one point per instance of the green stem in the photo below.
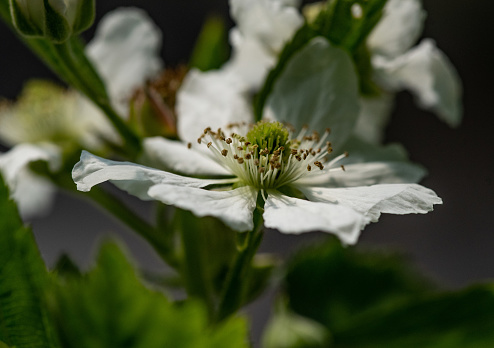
(194, 266)
(233, 295)
(114, 206)
(78, 71)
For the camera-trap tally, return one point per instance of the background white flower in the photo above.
(125, 51)
(424, 70)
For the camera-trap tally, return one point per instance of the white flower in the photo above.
(296, 176)
(262, 29)
(125, 52)
(423, 69)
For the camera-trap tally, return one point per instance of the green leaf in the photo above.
(368, 300)
(462, 319)
(332, 284)
(23, 280)
(211, 48)
(337, 24)
(109, 307)
(317, 88)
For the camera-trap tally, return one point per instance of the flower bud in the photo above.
(56, 20)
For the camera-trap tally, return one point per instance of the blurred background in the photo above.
(454, 245)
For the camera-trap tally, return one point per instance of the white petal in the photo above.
(292, 215)
(398, 29)
(363, 174)
(33, 194)
(269, 22)
(176, 156)
(428, 73)
(374, 116)
(125, 51)
(374, 200)
(235, 207)
(311, 91)
(92, 170)
(250, 61)
(368, 164)
(20, 156)
(361, 151)
(211, 99)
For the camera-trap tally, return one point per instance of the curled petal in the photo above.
(177, 157)
(125, 51)
(92, 170)
(428, 73)
(292, 215)
(374, 200)
(235, 207)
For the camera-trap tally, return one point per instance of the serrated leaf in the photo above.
(211, 48)
(23, 280)
(109, 307)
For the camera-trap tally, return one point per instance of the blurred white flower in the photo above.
(125, 51)
(262, 29)
(301, 183)
(424, 70)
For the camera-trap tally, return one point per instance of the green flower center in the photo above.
(269, 136)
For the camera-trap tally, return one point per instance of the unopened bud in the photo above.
(55, 20)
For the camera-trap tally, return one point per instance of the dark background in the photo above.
(454, 245)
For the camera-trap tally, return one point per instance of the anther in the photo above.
(248, 156)
(309, 168)
(346, 154)
(224, 152)
(240, 148)
(342, 167)
(240, 160)
(319, 165)
(207, 130)
(189, 145)
(229, 141)
(235, 156)
(209, 144)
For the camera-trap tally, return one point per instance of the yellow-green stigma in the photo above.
(269, 136)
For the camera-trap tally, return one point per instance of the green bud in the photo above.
(55, 20)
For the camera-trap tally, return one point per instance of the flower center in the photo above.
(268, 157)
(269, 136)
